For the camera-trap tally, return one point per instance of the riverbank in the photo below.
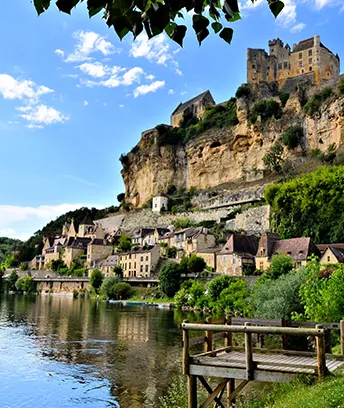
(302, 393)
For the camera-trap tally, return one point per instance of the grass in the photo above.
(301, 393)
(152, 295)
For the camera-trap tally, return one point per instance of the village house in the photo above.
(192, 240)
(107, 265)
(148, 236)
(333, 254)
(299, 249)
(237, 257)
(140, 262)
(75, 248)
(209, 255)
(98, 249)
(308, 59)
(195, 107)
(160, 203)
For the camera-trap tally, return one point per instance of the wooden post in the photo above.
(342, 336)
(248, 355)
(192, 391)
(229, 336)
(186, 350)
(320, 344)
(208, 337)
(230, 390)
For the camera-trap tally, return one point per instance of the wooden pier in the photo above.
(248, 363)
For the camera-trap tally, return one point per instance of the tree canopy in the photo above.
(156, 16)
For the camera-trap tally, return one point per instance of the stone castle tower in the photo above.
(309, 58)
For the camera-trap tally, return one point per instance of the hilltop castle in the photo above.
(309, 58)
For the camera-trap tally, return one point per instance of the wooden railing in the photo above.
(318, 332)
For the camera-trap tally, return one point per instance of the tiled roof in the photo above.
(209, 250)
(99, 241)
(298, 248)
(111, 260)
(182, 106)
(80, 243)
(338, 253)
(322, 247)
(139, 250)
(306, 44)
(87, 220)
(143, 232)
(241, 244)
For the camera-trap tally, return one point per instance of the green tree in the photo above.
(196, 264)
(10, 282)
(107, 284)
(170, 279)
(121, 290)
(118, 271)
(281, 264)
(25, 284)
(171, 252)
(234, 298)
(283, 96)
(124, 243)
(155, 17)
(217, 285)
(96, 279)
(57, 264)
(279, 298)
(120, 197)
(292, 137)
(244, 90)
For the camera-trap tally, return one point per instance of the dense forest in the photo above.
(33, 246)
(6, 247)
(311, 205)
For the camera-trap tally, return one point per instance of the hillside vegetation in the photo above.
(311, 205)
(6, 247)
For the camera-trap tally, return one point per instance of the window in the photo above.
(146, 268)
(300, 63)
(310, 61)
(141, 258)
(233, 261)
(129, 265)
(272, 50)
(261, 265)
(147, 258)
(268, 68)
(141, 268)
(156, 205)
(300, 55)
(280, 65)
(310, 52)
(253, 66)
(129, 256)
(285, 65)
(328, 259)
(310, 68)
(224, 258)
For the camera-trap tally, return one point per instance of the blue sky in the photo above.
(73, 97)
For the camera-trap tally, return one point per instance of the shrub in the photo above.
(273, 158)
(265, 109)
(339, 160)
(234, 298)
(278, 299)
(121, 290)
(315, 153)
(120, 197)
(57, 264)
(107, 285)
(244, 90)
(174, 209)
(124, 243)
(171, 252)
(170, 279)
(96, 279)
(341, 86)
(25, 284)
(314, 104)
(80, 272)
(10, 283)
(292, 136)
(283, 96)
(182, 223)
(217, 285)
(24, 266)
(195, 264)
(281, 264)
(117, 269)
(171, 189)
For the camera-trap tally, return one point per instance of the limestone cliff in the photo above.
(229, 154)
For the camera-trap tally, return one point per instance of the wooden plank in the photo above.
(208, 388)
(186, 347)
(320, 346)
(209, 353)
(214, 394)
(230, 390)
(253, 329)
(192, 391)
(235, 393)
(219, 372)
(208, 336)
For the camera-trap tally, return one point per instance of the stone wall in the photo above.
(62, 287)
(255, 220)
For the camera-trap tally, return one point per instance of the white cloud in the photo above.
(11, 88)
(183, 93)
(298, 28)
(144, 89)
(133, 75)
(60, 53)
(170, 92)
(287, 17)
(89, 42)
(94, 69)
(7, 232)
(43, 115)
(155, 50)
(85, 103)
(32, 126)
(121, 106)
(150, 77)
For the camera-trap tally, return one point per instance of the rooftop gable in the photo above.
(183, 106)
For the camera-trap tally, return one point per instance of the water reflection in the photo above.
(60, 351)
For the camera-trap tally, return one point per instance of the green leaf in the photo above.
(216, 27)
(231, 6)
(66, 5)
(202, 35)
(92, 12)
(199, 23)
(176, 32)
(276, 7)
(41, 5)
(236, 16)
(227, 34)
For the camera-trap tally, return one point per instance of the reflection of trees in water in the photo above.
(137, 349)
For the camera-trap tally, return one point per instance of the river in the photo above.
(56, 351)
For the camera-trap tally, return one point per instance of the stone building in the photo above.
(236, 258)
(98, 249)
(148, 236)
(75, 248)
(209, 255)
(195, 107)
(333, 255)
(159, 203)
(140, 262)
(192, 240)
(309, 58)
(299, 249)
(107, 265)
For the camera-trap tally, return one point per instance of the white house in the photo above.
(159, 203)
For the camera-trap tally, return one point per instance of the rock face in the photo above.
(226, 155)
